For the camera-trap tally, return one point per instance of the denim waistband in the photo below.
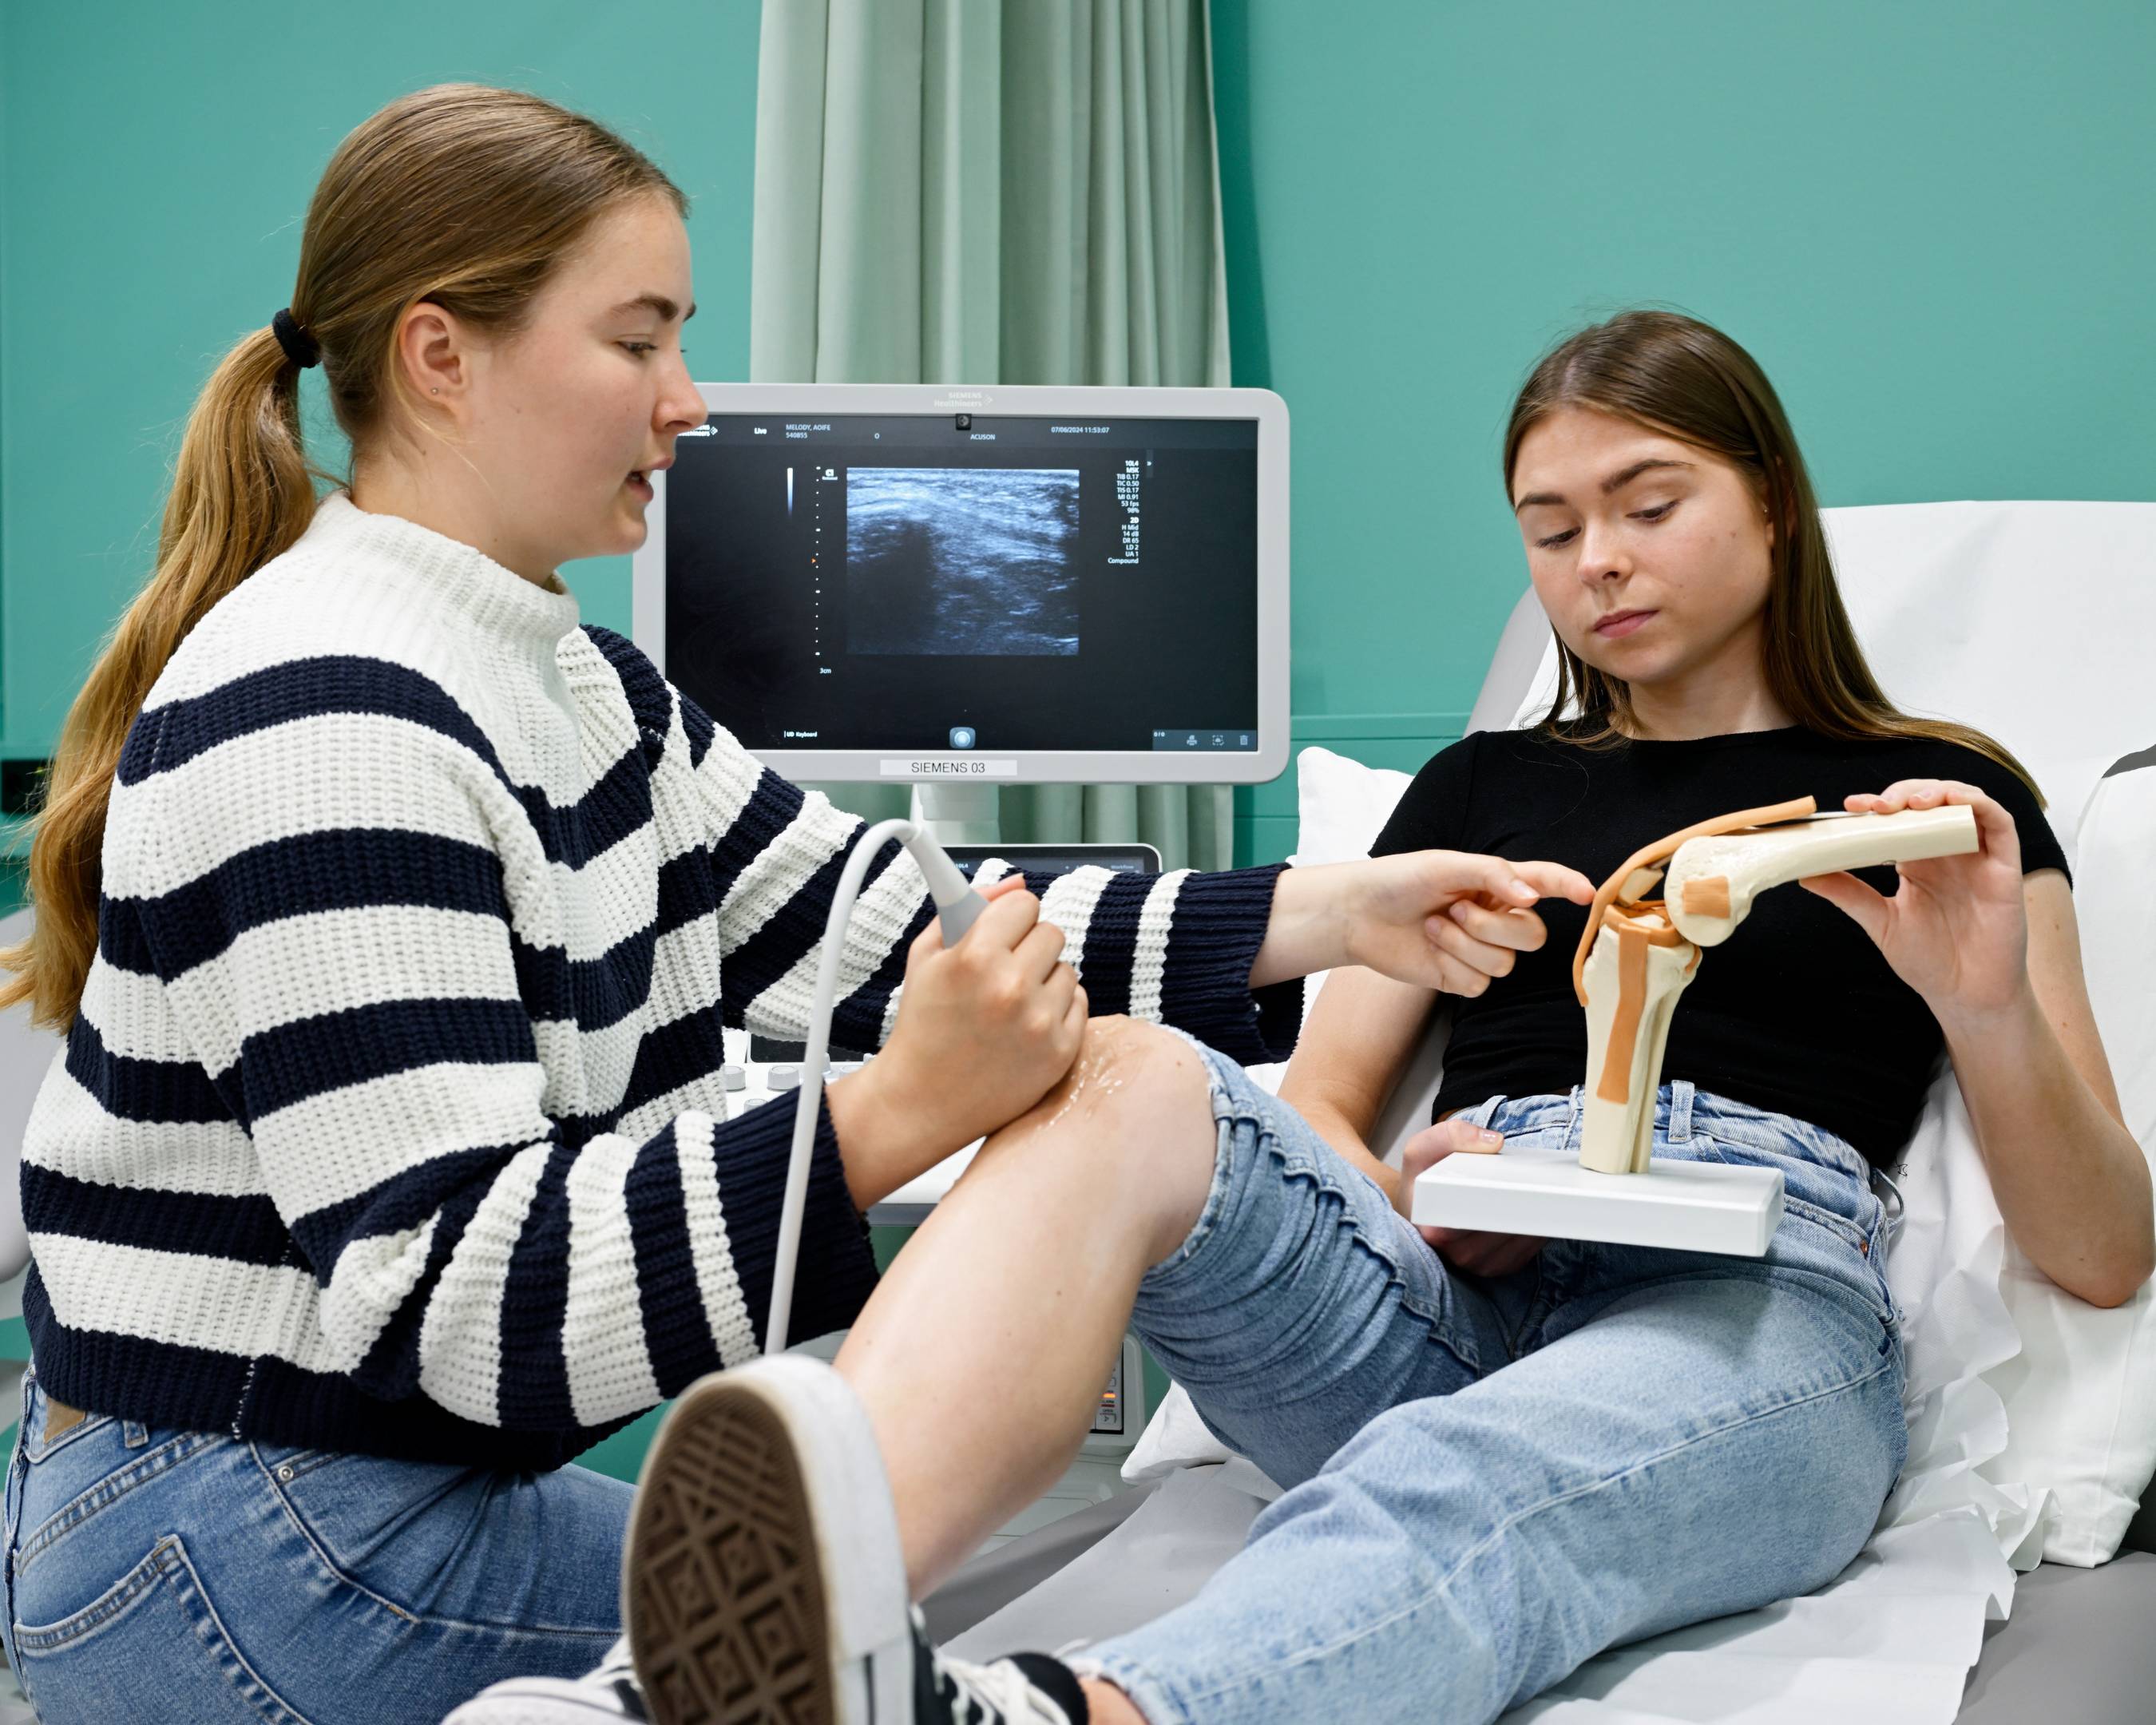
(1681, 1109)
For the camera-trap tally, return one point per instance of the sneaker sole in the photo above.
(734, 1608)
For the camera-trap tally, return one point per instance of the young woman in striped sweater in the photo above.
(392, 919)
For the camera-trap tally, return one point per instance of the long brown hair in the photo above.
(1674, 375)
(463, 195)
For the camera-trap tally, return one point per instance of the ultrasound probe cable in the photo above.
(956, 907)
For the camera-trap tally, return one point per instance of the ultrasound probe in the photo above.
(958, 907)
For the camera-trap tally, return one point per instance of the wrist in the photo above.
(1307, 931)
(882, 1126)
(1971, 1027)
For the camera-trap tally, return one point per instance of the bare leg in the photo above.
(981, 1357)
(1108, 1705)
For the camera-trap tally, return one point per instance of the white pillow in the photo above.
(1342, 805)
(2081, 1395)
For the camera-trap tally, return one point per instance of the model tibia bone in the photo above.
(1640, 965)
(1712, 880)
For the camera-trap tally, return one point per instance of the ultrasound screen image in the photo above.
(962, 561)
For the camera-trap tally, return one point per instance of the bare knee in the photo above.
(1136, 1112)
(1136, 1072)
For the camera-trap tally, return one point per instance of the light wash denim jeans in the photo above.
(173, 1576)
(1489, 1480)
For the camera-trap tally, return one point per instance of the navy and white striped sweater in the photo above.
(391, 1119)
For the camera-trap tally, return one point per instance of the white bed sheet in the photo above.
(1892, 1637)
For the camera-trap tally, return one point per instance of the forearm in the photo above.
(888, 1131)
(2071, 1182)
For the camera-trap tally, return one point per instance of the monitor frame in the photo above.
(986, 768)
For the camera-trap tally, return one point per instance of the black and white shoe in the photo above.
(763, 1584)
(609, 1692)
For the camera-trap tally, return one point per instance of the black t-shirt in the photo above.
(1797, 1012)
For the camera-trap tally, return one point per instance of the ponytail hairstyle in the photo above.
(1674, 375)
(462, 196)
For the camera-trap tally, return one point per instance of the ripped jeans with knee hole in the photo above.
(1489, 1481)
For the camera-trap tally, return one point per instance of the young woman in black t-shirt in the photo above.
(1502, 1455)
(1707, 664)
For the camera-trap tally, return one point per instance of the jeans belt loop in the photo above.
(1680, 1096)
(1485, 1110)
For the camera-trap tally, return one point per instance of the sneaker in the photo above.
(762, 1582)
(609, 1692)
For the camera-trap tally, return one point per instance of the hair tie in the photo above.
(300, 347)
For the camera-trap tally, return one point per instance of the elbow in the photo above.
(2113, 1286)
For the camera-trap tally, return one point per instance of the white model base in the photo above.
(1691, 1206)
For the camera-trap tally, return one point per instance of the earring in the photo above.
(433, 392)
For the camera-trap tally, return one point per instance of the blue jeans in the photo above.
(1489, 1480)
(160, 1574)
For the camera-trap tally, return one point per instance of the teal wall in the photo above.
(1934, 224)
(154, 177)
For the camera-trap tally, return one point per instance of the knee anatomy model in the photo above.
(1635, 957)
(1638, 953)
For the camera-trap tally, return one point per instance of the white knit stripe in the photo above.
(817, 832)
(702, 1093)
(460, 1337)
(372, 1277)
(1068, 903)
(588, 1071)
(327, 771)
(990, 871)
(685, 970)
(128, 1010)
(343, 1142)
(303, 966)
(725, 1307)
(878, 925)
(218, 1304)
(1149, 961)
(602, 1342)
(724, 782)
(614, 894)
(324, 597)
(69, 1131)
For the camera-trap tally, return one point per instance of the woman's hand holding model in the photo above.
(1996, 958)
(1956, 929)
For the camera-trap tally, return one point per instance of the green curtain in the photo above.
(996, 191)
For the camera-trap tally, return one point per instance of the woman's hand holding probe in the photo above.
(985, 1030)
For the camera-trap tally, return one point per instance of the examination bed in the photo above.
(2033, 621)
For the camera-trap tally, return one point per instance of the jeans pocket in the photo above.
(373, 1522)
(151, 1646)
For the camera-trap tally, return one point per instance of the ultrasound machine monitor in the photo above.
(970, 587)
